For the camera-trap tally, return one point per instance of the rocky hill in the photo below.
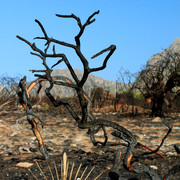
(174, 48)
(93, 81)
(165, 59)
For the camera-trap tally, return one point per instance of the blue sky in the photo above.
(139, 29)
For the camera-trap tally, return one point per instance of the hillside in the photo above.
(93, 81)
(174, 48)
(167, 59)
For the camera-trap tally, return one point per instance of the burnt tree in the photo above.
(159, 81)
(125, 90)
(86, 120)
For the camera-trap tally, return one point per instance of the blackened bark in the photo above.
(25, 102)
(157, 106)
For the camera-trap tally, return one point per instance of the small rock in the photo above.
(24, 164)
(97, 114)
(171, 154)
(157, 119)
(37, 106)
(24, 150)
(65, 119)
(154, 167)
(13, 134)
(73, 145)
(108, 168)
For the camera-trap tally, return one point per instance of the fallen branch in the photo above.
(162, 141)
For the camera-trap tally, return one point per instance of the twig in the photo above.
(158, 148)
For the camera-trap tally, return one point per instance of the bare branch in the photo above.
(33, 71)
(33, 46)
(42, 28)
(103, 51)
(54, 49)
(162, 141)
(57, 42)
(88, 22)
(82, 27)
(112, 48)
(65, 84)
(36, 55)
(22, 39)
(71, 16)
(61, 60)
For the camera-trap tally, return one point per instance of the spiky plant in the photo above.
(66, 172)
(3, 103)
(7, 92)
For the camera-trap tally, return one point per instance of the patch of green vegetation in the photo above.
(138, 96)
(45, 107)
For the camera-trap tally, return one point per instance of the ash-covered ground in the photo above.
(18, 144)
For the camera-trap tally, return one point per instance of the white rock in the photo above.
(154, 167)
(24, 164)
(176, 127)
(157, 119)
(24, 150)
(171, 154)
(37, 106)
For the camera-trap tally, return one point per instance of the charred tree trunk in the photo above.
(157, 106)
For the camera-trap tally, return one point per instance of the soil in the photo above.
(20, 157)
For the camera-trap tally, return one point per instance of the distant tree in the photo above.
(9, 88)
(97, 97)
(160, 81)
(11, 85)
(101, 97)
(125, 90)
(2, 102)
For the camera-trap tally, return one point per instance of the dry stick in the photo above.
(78, 171)
(40, 170)
(61, 169)
(67, 168)
(2, 111)
(1, 106)
(32, 174)
(89, 173)
(98, 175)
(71, 171)
(129, 163)
(83, 173)
(50, 171)
(2, 94)
(56, 170)
(65, 165)
(8, 101)
(152, 150)
(157, 149)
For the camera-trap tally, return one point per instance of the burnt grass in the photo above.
(100, 157)
(10, 171)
